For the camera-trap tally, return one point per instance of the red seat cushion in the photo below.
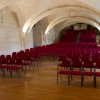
(97, 73)
(26, 63)
(35, 59)
(2, 66)
(16, 67)
(8, 67)
(75, 72)
(88, 73)
(13, 67)
(59, 65)
(64, 72)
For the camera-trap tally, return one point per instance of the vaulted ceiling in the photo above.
(29, 12)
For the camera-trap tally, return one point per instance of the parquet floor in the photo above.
(40, 84)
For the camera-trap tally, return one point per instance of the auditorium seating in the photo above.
(69, 36)
(67, 50)
(87, 36)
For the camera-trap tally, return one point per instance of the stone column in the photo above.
(23, 41)
(45, 38)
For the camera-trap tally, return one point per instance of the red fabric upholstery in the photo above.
(35, 59)
(65, 64)
(75, 72)
(16, 67)
(88, 73)
(97, 74)
(26, 63)
(2, 67)
(64, 72)
(11, 67)
(59, 64)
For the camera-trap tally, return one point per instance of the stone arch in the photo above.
(32, 20)
(75, 20)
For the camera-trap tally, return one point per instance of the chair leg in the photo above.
(57, 78)
(3, 72)
(53, 58)
(10, 72)
(49, 57)
(43, 57)
(37, 63)
(90, 69)
(29, 68)
(33, 67)
(95, 81)
(34, 63)
(68, 79)
(25, 67)
(24, 71)
(19, 73)
(81, 80)
(7, 70)
(71, 78)
(40, 62)
(60, 76)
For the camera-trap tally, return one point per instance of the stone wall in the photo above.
(9, 33)
(29, 40)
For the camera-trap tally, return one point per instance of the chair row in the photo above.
(79, 68)
(12, 68)
(71, 58)
(87, 36)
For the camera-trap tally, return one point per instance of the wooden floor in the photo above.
(40, 84)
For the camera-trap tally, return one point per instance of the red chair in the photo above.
(8, 57)
(76, 58)
(27, 50)
(27, 61)
(69, 56)
(12, 66)
(6, 64)
(36, 58)
(19, 62)
(31, 49)
(2, 67)
(2, 56)
(11, 62)
(65, 71)
(4, 61)
(61, 58)
(88, 65)
(22, 52)
(97, 73)
(85, 58)
(95, 59)
(15, 68)
(14, 55)
(76, 64)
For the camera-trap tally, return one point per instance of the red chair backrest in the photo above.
(88, 64)
(77, 64)
(66, 63)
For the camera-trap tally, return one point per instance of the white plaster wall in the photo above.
(29, 40)
(97, 38)
(39, 32)
(9, 34)
(37, 35)
(50, 37)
